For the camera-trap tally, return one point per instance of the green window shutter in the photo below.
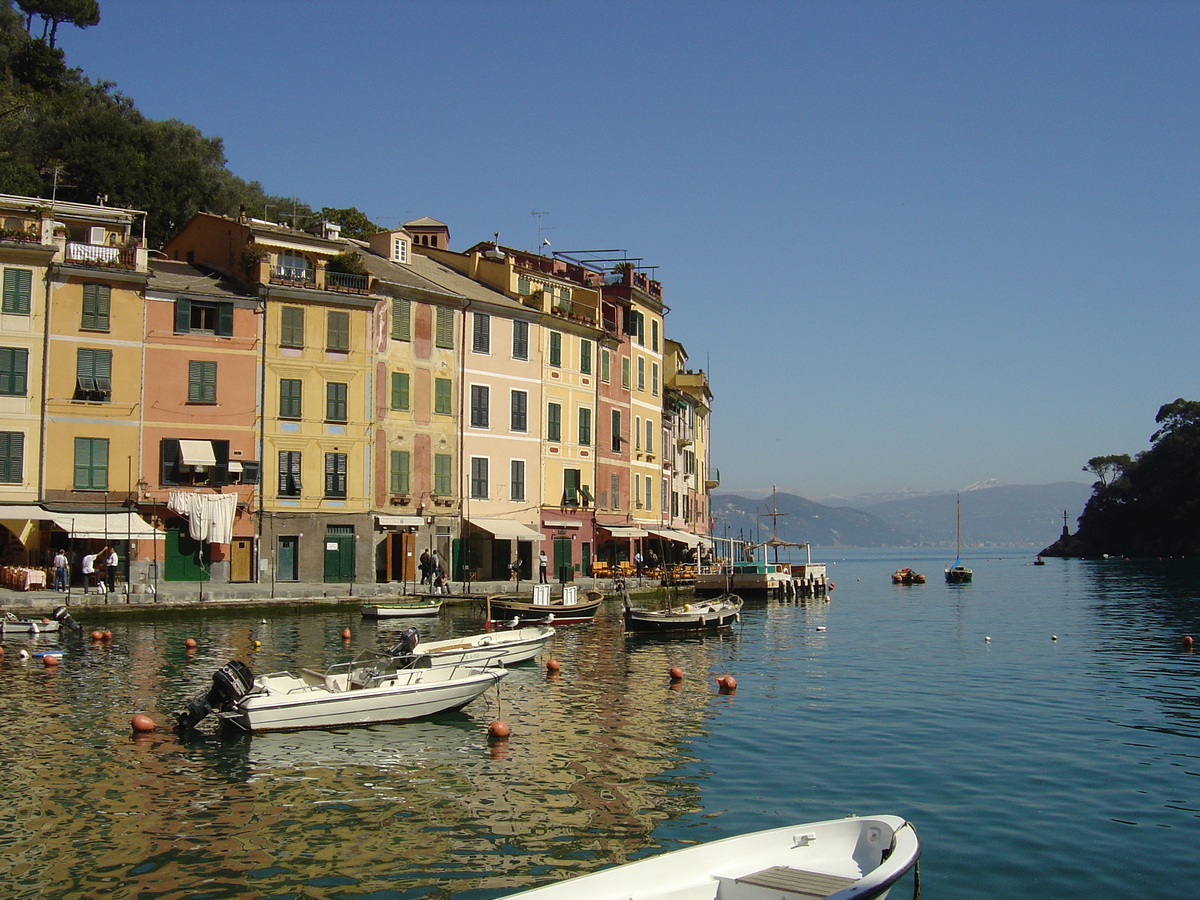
(585, 356)
(555, 348)
(625, 373)
(605, 366)
(183, 315)
(12, 457)
(18, 288)
(291, 329)
(290, 398)
(553, 422)
(400, 390)
(14, 371)
(338, 330)
(445, 328)
(399, 473)
(441, 474)
(91, 463)
(225, 319)
(401, 319)
(335, 401)
(202, 381)
(585, 427)
(96, 299)
(441, 397)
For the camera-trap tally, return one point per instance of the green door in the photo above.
(585, 558)
(186, 559)
(339, 553)
(562, 559)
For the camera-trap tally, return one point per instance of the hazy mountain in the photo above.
(801, 521)
(1011, 514)
(1003, 515)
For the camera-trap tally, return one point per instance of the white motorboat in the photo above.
(372, 688)
(840, 859)
(496, 648)
(11, 624)
(406, 608)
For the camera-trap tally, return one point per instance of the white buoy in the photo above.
(820, 628)
(987, 640)
(23, 653)
(1054, 637)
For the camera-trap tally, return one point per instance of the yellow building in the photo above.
(687, 412)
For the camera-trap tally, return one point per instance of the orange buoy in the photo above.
(190, 643)
(552, 665)
(142, 723)
(1186, 640)
(50, 661)
(676, 673)
(730, 683)
(345, 634)
(97, 635)
(498, 729)
(107, 635)
(1, 653)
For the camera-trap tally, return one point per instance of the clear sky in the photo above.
(915, 245)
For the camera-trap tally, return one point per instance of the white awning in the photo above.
(507, 529)
(197, 453)
(562, 523)
(35, 513)
(96, 525)
(684, 537)
(390, 522)
(624, 531)
(235, 466)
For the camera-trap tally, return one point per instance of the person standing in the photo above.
(435, 565)
(87, 567)
(638, 563)
(60, 571)
(110, 569)
(543, 565)
(423, 565)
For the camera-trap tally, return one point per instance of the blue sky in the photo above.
(915, 245)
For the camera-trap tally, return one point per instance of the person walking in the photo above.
(543, 565)
(60, 571)
(87, 568)
(423, 565)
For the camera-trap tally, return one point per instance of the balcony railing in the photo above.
(346, 281)
(292, 275)
(101, 256)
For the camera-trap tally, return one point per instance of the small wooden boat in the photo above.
(370, 689)
(405, 608)
(494, 648)
(11, 624)
(840, 859)
(700, 615)
(566, 609)
(1039, 561)
(907, 576)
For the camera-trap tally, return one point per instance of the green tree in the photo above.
(1108, 468)
(355, 224)
(80, 13)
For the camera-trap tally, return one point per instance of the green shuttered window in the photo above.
(91, 464)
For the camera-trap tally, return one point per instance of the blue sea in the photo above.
(1039, 726)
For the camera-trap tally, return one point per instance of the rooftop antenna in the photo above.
(542, 242)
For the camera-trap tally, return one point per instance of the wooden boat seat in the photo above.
(797, 882)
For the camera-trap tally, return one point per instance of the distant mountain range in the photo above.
(996, 515)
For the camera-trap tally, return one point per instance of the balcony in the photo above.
(101, 256)
(348, 282)
(295, 276)
(713, 480)
(575, 312)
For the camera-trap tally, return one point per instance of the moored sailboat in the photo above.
(958, 573)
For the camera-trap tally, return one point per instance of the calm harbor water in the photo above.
(1032, 767)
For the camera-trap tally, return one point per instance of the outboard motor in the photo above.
(231, 682)
(62, 616)
(407, 643)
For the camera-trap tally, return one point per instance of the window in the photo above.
(481, 333)
(649, 435)
(441, 397)
(289, 473)
(516, 480)
(605, 366)
(674, 504)
(199, 463)
(18, 288)
(639, 326)
(337, 330)
(625, 372)
(615, 491)
(616, 431)
(401, 319)
(585, 356)
(555, 348)
(290, 398)
(523, 285)
(400, 390)
(293, 266)
(641, 369)
(399, 250)
(637, 432)
(335, 401)
(636, 497)
(479, 405)
(479, 478)
(335, 475)
(570, 494)
(201, 317)
(654, 335)
(519, 411)
(91, 464)
(93, 374)
(441, 474)
(654, 379)
(520, 348)
(202, 381)
(649, 492)
(585, 427)
(14, 371)
(553, 422)
(399, 473)
(96, 300)
(445, 328)
(12, 457)
(291, 326)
